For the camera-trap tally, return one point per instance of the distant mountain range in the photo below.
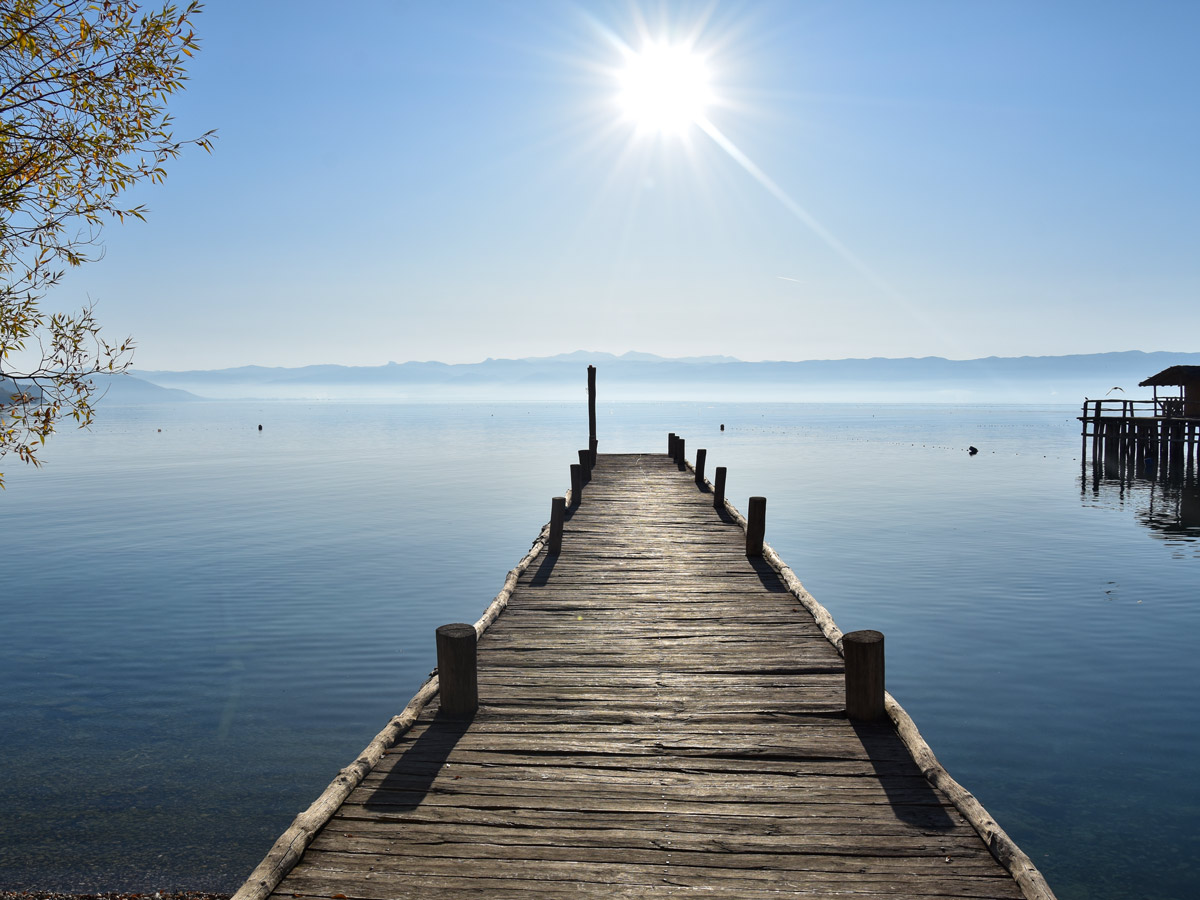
(645, 376)
(122, 388)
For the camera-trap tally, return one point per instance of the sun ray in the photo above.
(792, 206)
(826, 236)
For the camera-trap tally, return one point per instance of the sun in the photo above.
(664, 88)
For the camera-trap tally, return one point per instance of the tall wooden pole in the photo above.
(592, 413)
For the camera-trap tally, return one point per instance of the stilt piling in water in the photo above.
(1125, 439)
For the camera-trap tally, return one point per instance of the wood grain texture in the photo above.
(660, 715)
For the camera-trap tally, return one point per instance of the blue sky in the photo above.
(455, 181)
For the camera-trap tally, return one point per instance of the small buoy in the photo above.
(260, 428)
(972, 450)
(722, 426)
(160, 431)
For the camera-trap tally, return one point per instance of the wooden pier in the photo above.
(661, 712)
(1158, 437)
(1132, 438)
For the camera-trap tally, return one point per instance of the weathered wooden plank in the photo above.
(355, 880)
(928, 860)
(871, 819)
(834, 843)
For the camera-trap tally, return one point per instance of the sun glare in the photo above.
(664, 89)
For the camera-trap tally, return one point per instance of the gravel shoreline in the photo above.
(147, 895)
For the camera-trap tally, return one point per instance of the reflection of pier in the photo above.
(1131, 438)
(1168, 506)
(1174, 508)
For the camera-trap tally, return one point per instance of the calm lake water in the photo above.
(201, 625)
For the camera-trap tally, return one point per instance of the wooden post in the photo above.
(457, 672)
(671, 444)
(592, 412)
(680, 458)
(585, 458)
(576, 484)
(719, 488)
(558, 512)
(594, 445)
(864, 675)
(700, 456)
(1083, 450)
(756, 525)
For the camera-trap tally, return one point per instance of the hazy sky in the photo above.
(457, 180)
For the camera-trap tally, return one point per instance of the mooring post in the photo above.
(680, 453)
(576, 484)
(592, 412)
(756, 525)
(700, 455)
(457, 672)
(671, 444)
(864, 674)
(719, 488)
(558, 512)
(594, 445)
(585, 458)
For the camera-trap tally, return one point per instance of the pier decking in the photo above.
(659, 716)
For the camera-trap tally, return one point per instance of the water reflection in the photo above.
(1173, 509)
(1167, 503)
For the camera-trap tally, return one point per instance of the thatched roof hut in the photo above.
(1187, 378)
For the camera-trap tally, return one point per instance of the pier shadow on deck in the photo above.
(912, 797)
(414, 772)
